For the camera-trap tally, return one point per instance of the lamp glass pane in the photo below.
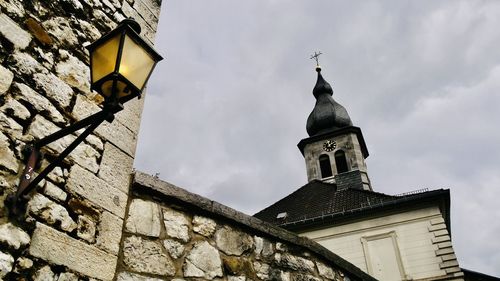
(104, 58)
(136, 63)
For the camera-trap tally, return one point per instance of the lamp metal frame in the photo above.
(16, 202)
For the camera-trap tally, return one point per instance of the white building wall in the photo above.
(421, 244)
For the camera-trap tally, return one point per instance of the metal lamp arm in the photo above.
(75, 127)
(27, 184)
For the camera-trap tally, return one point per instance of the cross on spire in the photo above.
(316, 57)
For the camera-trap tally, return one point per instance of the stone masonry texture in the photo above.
(73, 225)
(183, 236)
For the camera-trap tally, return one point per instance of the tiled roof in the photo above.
(317, 199)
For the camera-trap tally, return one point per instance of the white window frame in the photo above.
(368, 260)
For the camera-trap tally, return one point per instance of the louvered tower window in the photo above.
(340, 162)
(325, 166)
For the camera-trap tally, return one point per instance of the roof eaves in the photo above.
(442, 195)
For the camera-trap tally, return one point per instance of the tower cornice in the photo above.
(341, 131)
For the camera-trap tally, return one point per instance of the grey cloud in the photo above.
(227, 107)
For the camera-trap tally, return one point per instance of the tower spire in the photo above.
(327, 115)
(335, 150)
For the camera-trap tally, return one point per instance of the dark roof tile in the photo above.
(317, 199)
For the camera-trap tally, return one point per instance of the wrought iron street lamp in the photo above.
(121, 63)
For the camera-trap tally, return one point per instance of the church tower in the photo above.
(335, 150)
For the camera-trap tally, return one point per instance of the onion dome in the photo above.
(327, 115)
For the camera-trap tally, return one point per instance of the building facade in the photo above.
(391, 237)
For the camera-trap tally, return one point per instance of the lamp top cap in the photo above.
(133, 24)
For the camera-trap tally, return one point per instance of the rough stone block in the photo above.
(13, 236)
(119, 135)
(153, 5)
(103, 19)
(23, 264)
(176, 224)
(55, 89)
(325, 271)
(86, 229)
(97, 191)
(146, 256)
(14, 33)
(54, 192)
(149, 16)
(47, 58)
(6, 77)
(7, 157)
(13, 8)
(60, 28)
(143, 218)
(73, 71)
(83, 108)
(237, 265)
(293, 262)
(41, 127)
(6, 262)
(44, 274)
(116, 167)
(174, 248)
(232, 241)
(204, 226)
(67, 276)
(263, 247)
(84, 207)
(57, 175)
(15, 108)
(10, 127)
(203, 261)
(24, 63)
(39, 102)
(50, 212)
(147, 32)
(88, 31)
(59, 248)
(131, 115)
(261, 270)
(110, 233)
(86, 156)
(38, 31)
(94, 141)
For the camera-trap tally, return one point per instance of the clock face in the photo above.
(329, 145)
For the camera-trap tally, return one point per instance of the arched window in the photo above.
(340, 162)
(325, 166)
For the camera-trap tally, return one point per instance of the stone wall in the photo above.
(171, 234)
(74, 221)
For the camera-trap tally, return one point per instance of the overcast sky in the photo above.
(228, 105)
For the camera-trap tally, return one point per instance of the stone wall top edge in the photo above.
(145, 184)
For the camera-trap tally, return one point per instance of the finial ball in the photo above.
(318, 68)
